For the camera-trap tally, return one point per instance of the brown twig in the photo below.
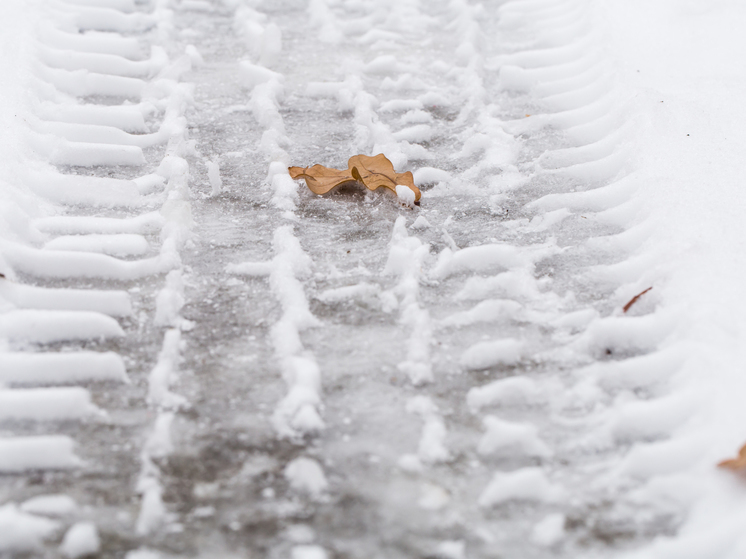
(635, 298)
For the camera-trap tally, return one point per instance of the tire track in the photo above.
(105, 226)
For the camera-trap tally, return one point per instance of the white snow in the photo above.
(50, 505)
(507, 436)
(47, 404)
(309, 552)
(528, 484)
(432, 446)
(213, 174)
(54, 452)
(488, 354)
(405, 194)
(505, 392)
(549, 530)
(80, 540)
(23, 533)
(644, 99)
(305, 475)
(61, 368)
(406, 258)
(451, 550)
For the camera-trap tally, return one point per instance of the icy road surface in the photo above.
(200, 358)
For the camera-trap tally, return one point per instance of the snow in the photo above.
(488, 354)
(687, 104)
(61, 368)
(50, 505)
(451, 550)
(47, 404)
(571, 154)
(508, 436)
(18, 454)
(550, 530)
(504, 392)
(21, 532)
(529, 484)
(80, 540)
(405, 194)
(305, 475)
(308, 552)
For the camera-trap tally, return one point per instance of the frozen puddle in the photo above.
(201, 358)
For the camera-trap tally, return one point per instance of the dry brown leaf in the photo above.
(737, 464)
(373, 172)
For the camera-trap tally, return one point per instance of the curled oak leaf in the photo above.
(373, 172)
(321, 179)
(737, 464)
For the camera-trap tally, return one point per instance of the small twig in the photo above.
(635, 298)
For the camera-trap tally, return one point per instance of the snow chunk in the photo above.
(410, 463)
(213, 175)
(143, 553)
(383, 65)
(432, 446)
(170, 300)
(50, 505)
(502, 435)
(397, 105)
(433, 497)
(305, 475)
(406, 195)
(42, 326)
(300, 534)
(492, 310)
(420, 223)
(124, 244)
(18, 454)
(80, 540)
(484, 258)
(431, 175)
(452, 549)
(418, 133)
(361, 291)
(47, 404)
(309, 552)
(61, 368)
(483, 355)
(529, 484)
(512, 390)
(253, 75)
(21, 532)
(549, 531)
